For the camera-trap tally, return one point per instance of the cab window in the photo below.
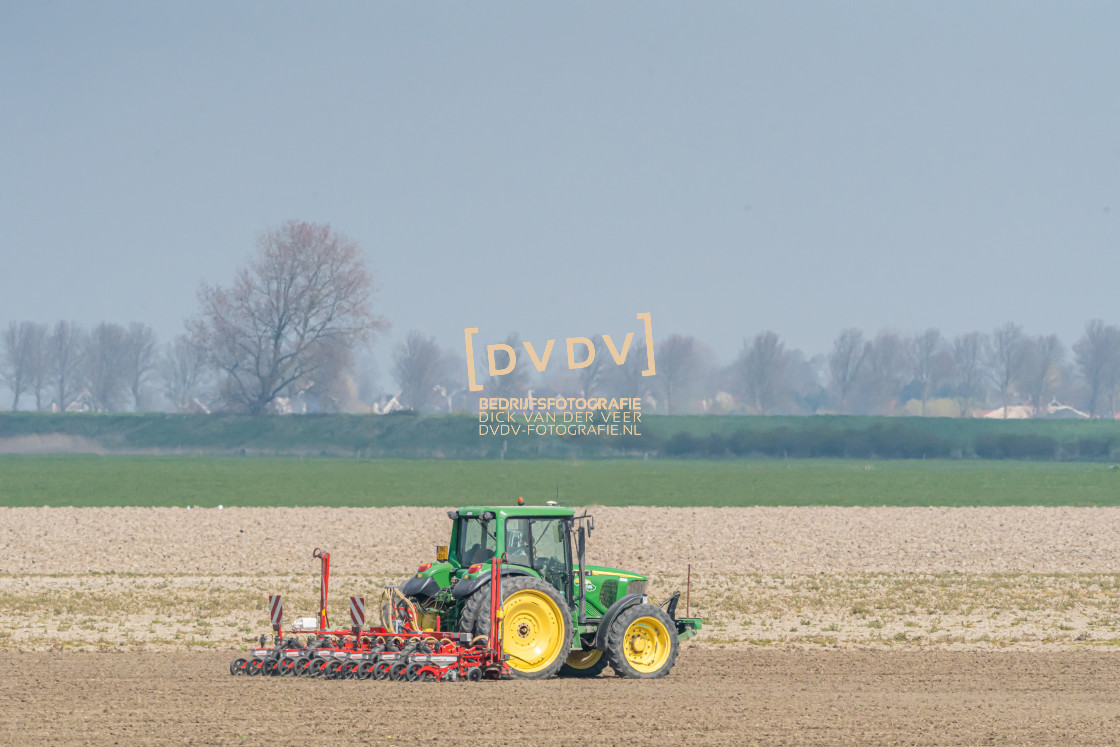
(476, 541)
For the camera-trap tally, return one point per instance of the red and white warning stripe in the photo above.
(276, 610)
(357, 611)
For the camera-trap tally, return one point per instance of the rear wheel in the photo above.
(536, 629)
(642, 643)
(589, 663)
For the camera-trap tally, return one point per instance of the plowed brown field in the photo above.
(795, 697)
(822, 625)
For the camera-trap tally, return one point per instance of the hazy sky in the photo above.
(555, 169)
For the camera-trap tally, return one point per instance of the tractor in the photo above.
(560, 616)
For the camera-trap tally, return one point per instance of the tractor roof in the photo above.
(519, 510)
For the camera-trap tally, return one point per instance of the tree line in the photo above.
(287, 326)
(294, 321)
(890, 373)
(898, 373)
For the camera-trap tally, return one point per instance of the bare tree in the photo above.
(968, 361)
(1097, 354)
(332, 388)
(591, 376)
(676, 366)
(38, 373)
(516, 382)
(141, 358)
(1040, 369)
(66, 344)
(1003, 360)
(13, 362)
(105, 366)
(626, 380)
(419, 366)
(307, 285)
(802, 379)
(183, 370)
(761, 368)
(844, 363)
(23, 361)
(884, 369)
(924, 349)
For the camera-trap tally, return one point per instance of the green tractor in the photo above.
(560, 615)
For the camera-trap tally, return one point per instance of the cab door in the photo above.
(542, 544)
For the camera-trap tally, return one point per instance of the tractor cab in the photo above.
(535, 539)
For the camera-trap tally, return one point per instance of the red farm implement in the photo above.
(398, 649)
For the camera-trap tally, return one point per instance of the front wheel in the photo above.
(642, 643)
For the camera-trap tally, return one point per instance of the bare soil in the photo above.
(167, 578)
(713, 696)
(766, 540)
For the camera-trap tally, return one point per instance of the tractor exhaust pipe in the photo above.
(581, 550)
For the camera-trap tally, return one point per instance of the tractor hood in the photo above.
(603, 570)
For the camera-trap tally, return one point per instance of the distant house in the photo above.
(1011, 412)
(296, 405)
(386, 404)
(194, 407)
(1059, 411)
(84, 402)
(1054, 411)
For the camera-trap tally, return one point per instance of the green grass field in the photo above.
(209, 481)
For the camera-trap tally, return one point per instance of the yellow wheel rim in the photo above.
(584, 659)
(532, 630)
(646, 644)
